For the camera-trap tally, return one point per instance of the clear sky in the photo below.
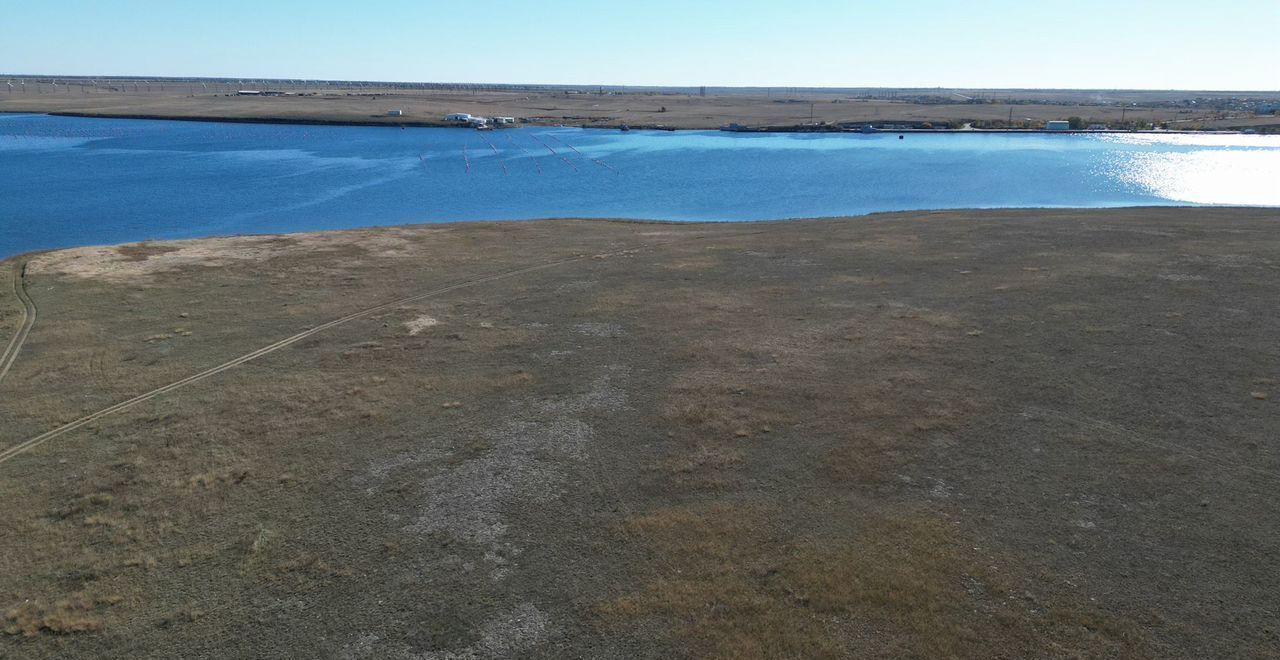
(1186, 44)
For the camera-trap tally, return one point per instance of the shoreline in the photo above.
(782, 110)
(799, 128)
(877, 215)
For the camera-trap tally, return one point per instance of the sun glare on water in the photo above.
(1245, 178)
(1239, 170)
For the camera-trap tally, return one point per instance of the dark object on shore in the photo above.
(624, 128)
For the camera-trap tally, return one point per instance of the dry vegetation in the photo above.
(899, 585)
(635, 108)
(962, 434)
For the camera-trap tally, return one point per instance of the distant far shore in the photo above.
(801, 128)
(772, 111)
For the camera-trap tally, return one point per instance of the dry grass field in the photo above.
(428, 107)
(997, 434)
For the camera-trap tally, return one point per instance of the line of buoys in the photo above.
(525, 151)
(501, 160)
(556, 154)
(597, 162)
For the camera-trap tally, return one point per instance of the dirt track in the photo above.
(996, 433)
(26, 318)
(19, 447)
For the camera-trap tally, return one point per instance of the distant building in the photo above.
(1097, 127)
(477, 121)
(1057, 125)
(458, 116)
(395, 113)
(504, 120)
(249, 92)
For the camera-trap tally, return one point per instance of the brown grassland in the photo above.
(996, 434)
(644, 109)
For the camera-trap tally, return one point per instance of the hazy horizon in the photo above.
(1005, 45)
(613, 85)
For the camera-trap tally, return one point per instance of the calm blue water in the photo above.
(71, 181)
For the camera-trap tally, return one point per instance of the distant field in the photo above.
(757, 108)
(960, 434)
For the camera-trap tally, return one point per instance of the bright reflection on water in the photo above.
(71, 181)
(1250, 178)
(1240, 170)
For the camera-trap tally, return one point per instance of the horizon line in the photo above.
(616, 86)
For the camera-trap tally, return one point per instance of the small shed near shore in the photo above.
(1057, 125)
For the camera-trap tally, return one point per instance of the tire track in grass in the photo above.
(38, 440)
(31, 443)
(28, 312)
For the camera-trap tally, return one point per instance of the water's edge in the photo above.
(908, 215)
(388, 123)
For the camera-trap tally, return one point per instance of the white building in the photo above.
(1057, 125)
(504, 120)
(457, 116)
(395, 113)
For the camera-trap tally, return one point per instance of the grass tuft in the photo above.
(900, 586)
(75, 614)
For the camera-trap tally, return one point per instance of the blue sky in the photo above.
(1222, 44)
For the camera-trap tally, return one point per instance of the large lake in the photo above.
(71, 181)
